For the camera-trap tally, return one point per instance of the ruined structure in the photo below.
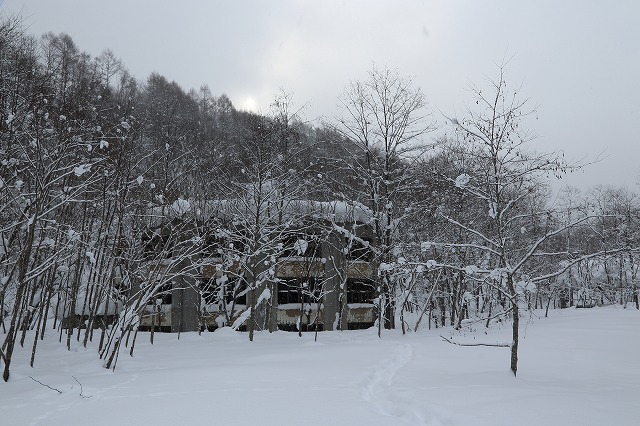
(317, 273)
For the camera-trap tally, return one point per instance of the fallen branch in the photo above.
(495, 345)
(81, 390)
(46, 386)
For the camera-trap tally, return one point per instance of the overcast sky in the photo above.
(578, 60)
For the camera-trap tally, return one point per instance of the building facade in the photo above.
(318, 276)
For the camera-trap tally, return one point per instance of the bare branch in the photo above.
(45, 385)
(494, 345)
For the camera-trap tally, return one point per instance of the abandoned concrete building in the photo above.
(319, 275)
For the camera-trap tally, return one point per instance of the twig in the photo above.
(499, 314)
(495, 345)
(46, 386)
(81, 390)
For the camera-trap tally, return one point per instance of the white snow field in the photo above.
(577, 367)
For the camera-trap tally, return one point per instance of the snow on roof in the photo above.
(334, 211)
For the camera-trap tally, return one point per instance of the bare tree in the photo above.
(515, 229)
(263, 191)
(52, 167)
(386, 120)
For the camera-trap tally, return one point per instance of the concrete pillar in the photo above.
(185, 307)
(335, 271)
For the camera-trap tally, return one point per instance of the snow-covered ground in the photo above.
(577, 367)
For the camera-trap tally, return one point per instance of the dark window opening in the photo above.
(298, 290)
(359, 325)
(360, 251)
(209, 291)
(303, 326)
(220, 240)
(213, 245)
(236, 247)
(232, 288)
(305, 245)
(360, 291)
(156, 245)
(163, 294)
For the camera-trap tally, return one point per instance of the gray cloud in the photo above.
(578, 60)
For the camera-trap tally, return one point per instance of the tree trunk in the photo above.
(514, 343)
(516, 325)
(15, 318)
